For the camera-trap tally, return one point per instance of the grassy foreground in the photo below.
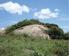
(27, 46)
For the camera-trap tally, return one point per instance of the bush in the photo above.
(21, 24)
(60, 49)
(55, 32)
(66, 36)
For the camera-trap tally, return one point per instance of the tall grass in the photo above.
(23, 45)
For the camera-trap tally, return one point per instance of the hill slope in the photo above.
(33, 30)
(23, 46)
(52, 30)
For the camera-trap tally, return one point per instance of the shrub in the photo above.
(21, 24)
(60, 49)
(55, 32)
(66, 36)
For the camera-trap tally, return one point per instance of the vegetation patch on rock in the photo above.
(54, 31)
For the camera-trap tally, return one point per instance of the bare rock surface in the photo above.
(33, 30)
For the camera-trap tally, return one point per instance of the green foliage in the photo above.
(55, 32)
(66, 36)
(60, 49)
(13, 45)
(21, 24)
(51, 25)
(36, 54)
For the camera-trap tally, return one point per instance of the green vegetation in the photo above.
(54, 31)
(66, 35)
(23, 45)
(21, 24)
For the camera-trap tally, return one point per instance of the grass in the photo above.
(28, 46)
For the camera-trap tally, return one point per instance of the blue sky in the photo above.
(48, 11)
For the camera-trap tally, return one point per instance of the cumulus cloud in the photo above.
(14, 8)
(46, 13)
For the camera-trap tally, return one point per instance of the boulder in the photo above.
(35, 30)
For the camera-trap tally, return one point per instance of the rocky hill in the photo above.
(36, 28)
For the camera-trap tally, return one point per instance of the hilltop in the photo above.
(36, 28)
(17, 42)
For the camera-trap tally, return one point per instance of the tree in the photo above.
(66, 36)
(55, 32)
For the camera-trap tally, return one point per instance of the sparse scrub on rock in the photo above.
(26, 26)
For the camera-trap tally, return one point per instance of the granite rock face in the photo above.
(33, 30)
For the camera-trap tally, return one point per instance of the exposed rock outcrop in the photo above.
(35, 30)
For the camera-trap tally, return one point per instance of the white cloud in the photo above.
(14, 8)
(56, 10)
(46, 13)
